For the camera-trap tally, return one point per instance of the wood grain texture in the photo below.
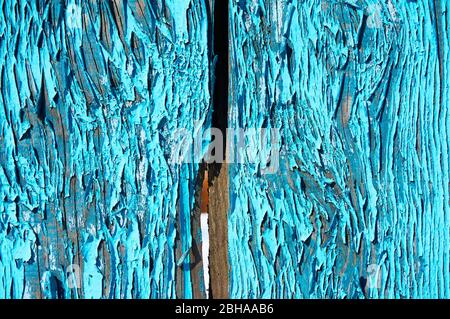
(360, 204)
(218, 231)
(91, 93)
(91, 206)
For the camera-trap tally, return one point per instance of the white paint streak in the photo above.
(205, 250)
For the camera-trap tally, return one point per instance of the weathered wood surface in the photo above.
(90, 94)
(218, 232)
(360, 204)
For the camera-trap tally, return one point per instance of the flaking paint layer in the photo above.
(90, 205)
(360, 204)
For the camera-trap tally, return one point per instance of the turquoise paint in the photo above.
(91, 206)
(91, 91)
(360, 205)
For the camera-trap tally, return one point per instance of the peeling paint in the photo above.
(90, 91)
(360, 205)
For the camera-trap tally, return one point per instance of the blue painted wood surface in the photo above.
(90, 92)
(360, 204)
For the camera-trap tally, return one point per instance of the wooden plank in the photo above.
(358, 207)
(91, 93)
